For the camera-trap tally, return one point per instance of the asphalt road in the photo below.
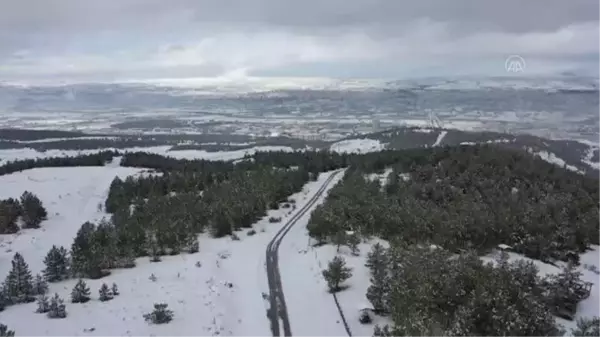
(278, 309)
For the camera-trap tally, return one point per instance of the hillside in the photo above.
(148, 208)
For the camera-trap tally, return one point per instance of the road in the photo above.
(278, 311)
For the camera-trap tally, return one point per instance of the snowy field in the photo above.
(71, 196)
(357, 146)
(202, 302)
(28, 153)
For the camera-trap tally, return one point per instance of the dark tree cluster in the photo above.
(29, 208)
(167, 164)
(26, 134)
(95, 159)
(19, 285)
(428, 291)
(467, 197)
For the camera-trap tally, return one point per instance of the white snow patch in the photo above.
(423, 130)
(468, 143)
(357, 146)
(553, 159)
(588, 157)
(382, 177)
(440, 137)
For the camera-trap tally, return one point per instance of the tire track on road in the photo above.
(278, 309)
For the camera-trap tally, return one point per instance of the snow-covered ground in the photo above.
(357, 146)
(440, 137)
(553, 159)
(28, 153)
(202, 302)
(71, 196)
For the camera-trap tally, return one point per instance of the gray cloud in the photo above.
(167, 38)
(507, 15)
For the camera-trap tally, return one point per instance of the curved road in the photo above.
(278, 310)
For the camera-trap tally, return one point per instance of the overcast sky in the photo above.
(139, 39)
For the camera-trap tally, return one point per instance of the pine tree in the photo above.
(57, 264)
(160, 315)
(377, 256)
(336, 273)
(40, 286)
(43, 304)
(152, 247)
(105, 294)
(4, 332)
(80, 293)
(339, 239)
(18, 286)
(85, 258)
(9, 214)
(587, 327)
(33, 211)
(57, 308)
(353, 242)
(115, 290)
(378, 291)
(382, 332)
(2, 299)
(194, 246)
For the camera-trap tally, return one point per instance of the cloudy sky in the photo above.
(81, 40)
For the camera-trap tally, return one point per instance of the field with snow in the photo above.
(357, 146)
(71, 195)
(28, 153)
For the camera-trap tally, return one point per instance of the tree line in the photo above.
(95, 159)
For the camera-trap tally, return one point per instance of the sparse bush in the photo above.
(274, 219)
(160, 315)
(365, 318)
(194, 247)
(57, 308)
(235, 237)
(286, 205)
(251, 232)
(80, 293)
(4, 332)
(105, 293)
(115, 290)
(43, 304)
